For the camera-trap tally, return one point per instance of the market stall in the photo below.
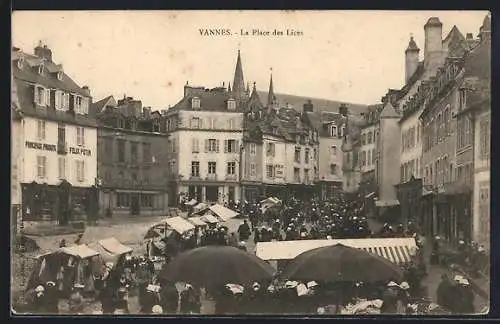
(196, 221)
(111, 250)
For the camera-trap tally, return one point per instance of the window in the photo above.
(230, 146)
(80, 171)
(195, 122)
(296, 174)
(253, 148)
(306, 156)
(297, 154)
(270, 170)
(65, 101)
(370, 137)
(369, 159)
(156, 126)
(195, 168)
(121, 150)
(333, 169)
(40, 69)
(41, 163)
(59, 75)
(253, 169)
(231, 104)
(80, 136)
(467, 131)
(363, 139)
(231, 168)
(333, 131)
(211, 145)
(212, 167)
(230, 124)
(484, 138)
(462, 99)
(40, 131)
(146, 152)
(62, 167)
(59, 100)
(123, 199)
(373, 156)
(212, 123)
(78, 104)
(195, 145)
(306, 175)
(271, 149)
(334, 150)
(134, 153)
(171, 166)
(195, 102)
(147, 200)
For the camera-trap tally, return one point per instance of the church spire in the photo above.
(238, 82)
(229, 87)
(271, 98)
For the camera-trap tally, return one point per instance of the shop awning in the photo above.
(112, 245)
(386, 203)
(192, 202)
(371, 194)
(81, 251)
(200, 206)
(209, 219)
(223, 212)
(179, 224)
(197, 221)
(397, 250)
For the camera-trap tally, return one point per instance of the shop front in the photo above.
(410, 196)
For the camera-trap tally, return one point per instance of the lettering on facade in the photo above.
(41, 146)
(80, 151)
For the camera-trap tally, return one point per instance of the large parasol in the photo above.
(339, 263)
(216, 265)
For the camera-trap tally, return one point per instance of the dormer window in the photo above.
(78, 105)
(40, 69)
(156, 126)
(121, 123)
(20, 63)
(231, 104)
(333, 131)
(195, 103)
(59, 75)
(275, 131)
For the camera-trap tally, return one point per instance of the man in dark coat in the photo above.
(244, 231)
(51, 298)
(444, 293)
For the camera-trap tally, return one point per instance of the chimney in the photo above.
(42, 51)
(136, 107)
(343, 110)
(86, 90)
(146, 111)
(469, 36)
(433, 47)
(411, 59)
(308, 107)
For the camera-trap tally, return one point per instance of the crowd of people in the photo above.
(287, 221)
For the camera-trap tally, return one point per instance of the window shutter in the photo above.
(83, 136)
(36, 97)
(200, 123)
(339, 131)
(206, 146)
(226, 144)
(217, 142)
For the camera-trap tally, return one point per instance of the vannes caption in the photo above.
(250, 32)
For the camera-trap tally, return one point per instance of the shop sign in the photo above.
(41, 146)
(80, 151)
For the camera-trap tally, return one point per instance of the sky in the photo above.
(348, 56)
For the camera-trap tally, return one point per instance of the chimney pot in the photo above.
(469, 36)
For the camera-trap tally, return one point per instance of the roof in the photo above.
(223, 212)
(113, 246)
(433, 21)
(319, 104)
(477, 74)
(412, 46)
(210, 100)
(397, 250)
(81, 251)
(98, 106)
(179, 224)
(197, 221)
(389, 111)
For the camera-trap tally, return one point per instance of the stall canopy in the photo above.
(386, 203)
(110, 249)
(371, 194)
(192, 202)
(397, 250)
(179, 224)
(222, 212)
(269, 202)
(196, 221)
(200, 206)
(209, 219)
(81, 251)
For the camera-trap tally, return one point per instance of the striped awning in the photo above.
(397, 250)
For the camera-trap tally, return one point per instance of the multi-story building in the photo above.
(16, 145)
(133, 160)
(331, 127)
(59, 136)
(473, 132)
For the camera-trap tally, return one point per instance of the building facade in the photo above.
(59, 140)
(133, 160)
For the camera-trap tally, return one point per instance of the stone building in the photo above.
(133, 159)
(58, 158)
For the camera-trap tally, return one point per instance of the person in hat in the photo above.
(444, 293)
(75, 301)
(169, 297)
(190, 300)
(465, 297)
(389, 299)
(150, 298)
(233, 240)
(51, 298)
(122, 301)
(244, 231)
(37, 301)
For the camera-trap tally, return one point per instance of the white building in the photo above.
(58, 135)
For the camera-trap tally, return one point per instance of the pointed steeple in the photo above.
(238, 82)
(248, 88)
(254, 103)
(271, 98)
(229, 87)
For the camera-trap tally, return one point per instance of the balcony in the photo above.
(62, 148)
(211, 177)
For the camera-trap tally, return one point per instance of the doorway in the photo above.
(135, 204)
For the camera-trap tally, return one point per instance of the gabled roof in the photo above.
(210, 100)
(389, 111)
(98, 106)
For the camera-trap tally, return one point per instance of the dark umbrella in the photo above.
(341, 263)
(216, 265)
